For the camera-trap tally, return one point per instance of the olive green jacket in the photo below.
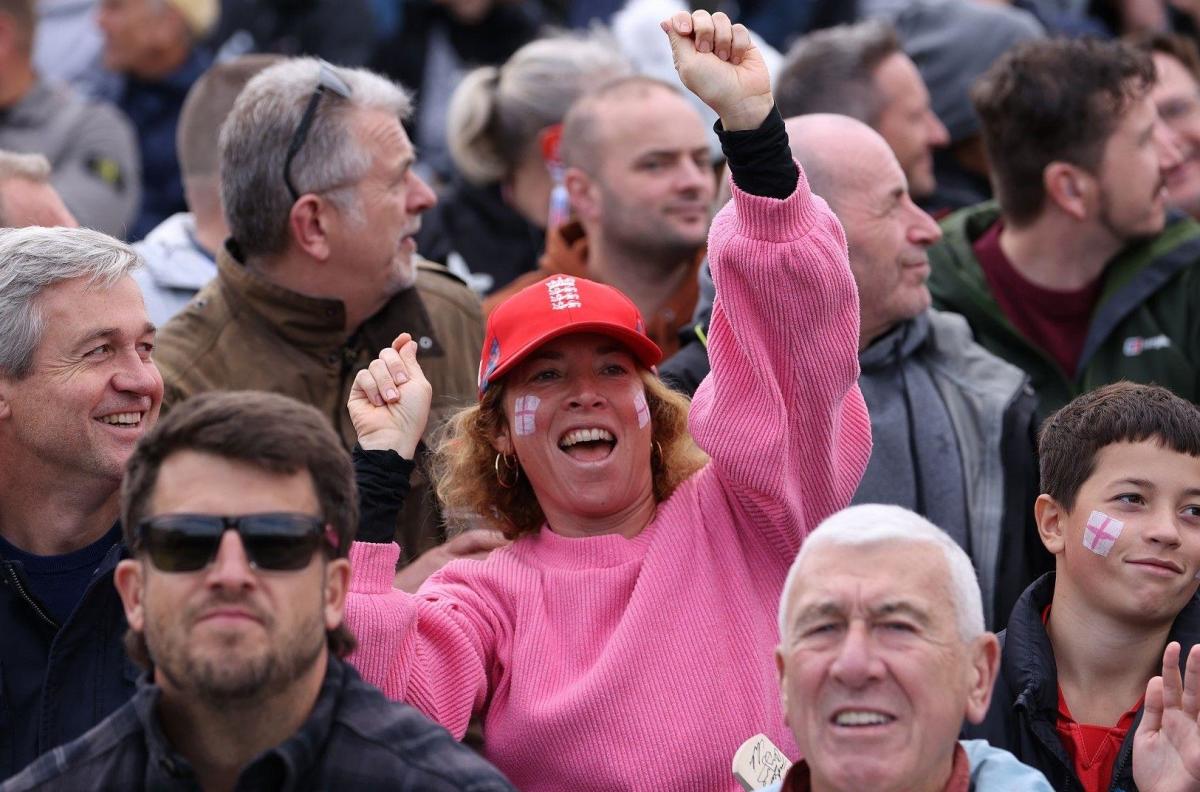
(243, 332)
(1145, 327)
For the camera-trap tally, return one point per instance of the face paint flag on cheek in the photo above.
(1101, 533)
(643, 410)
(524, 414)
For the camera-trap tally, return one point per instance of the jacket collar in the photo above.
(279, 767)
(902, 341)
(303, 321)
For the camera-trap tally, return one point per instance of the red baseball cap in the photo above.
(556, 306)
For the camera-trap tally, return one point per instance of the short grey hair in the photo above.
(33, 259)
(496, 112)
(870, 524)
(833, 71)
(256, 135)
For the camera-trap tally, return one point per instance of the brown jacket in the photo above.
(566, 254)
(243, 332)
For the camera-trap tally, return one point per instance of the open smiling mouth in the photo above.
(125, 419)
(857, 719)
(588, 445)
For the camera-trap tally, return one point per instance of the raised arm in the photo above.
(429, 650)
(780, 413)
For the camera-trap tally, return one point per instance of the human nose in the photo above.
(1162, 528)
(585, 393)
(856, 663)
(923, 230)
(693, 176)
(421, 196)
(230, 570)
(936, 131)
(1169, 146)
(137, 375)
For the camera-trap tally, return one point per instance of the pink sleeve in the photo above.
(780, 413)
(425, 649)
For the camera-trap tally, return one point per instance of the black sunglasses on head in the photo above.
(327, 80)
(277, 541)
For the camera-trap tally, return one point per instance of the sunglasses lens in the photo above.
(189, 542)
(281, 542)
(182, 543)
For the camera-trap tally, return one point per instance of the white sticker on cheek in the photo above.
(643, 410)
(524, 414)
(1101, 533)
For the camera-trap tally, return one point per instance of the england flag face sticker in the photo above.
(1101, 533)
(525, 415)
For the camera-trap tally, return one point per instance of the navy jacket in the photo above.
(57, 681)
(1024, 710)
(354, 739)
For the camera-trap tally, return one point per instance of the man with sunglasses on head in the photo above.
(321, 270)
(77, 390)
(239, 509)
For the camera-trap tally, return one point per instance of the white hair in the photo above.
(870, 524)
(33, 259)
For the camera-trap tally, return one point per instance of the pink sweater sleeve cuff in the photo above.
(774, 219)
(373, 567)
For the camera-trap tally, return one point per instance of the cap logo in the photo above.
(563, 294)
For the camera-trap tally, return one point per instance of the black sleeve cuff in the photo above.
(759, 159)
(382, 478)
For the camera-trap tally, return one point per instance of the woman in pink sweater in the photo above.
(624, 639)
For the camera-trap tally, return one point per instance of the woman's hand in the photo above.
(389, 401)
(1166, 748)
(718, 63)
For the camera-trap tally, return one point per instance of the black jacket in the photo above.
(354, 739)
(1023, 715)
(58, 681)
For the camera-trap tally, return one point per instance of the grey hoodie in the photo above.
(176, 267)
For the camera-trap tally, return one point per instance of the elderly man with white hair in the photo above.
(882, 655)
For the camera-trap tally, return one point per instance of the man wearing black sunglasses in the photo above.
(321, 272)
(240, 508)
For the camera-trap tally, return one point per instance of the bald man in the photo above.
(952, 424)
(641, 186)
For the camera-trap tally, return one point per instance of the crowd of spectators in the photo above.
(594, 394)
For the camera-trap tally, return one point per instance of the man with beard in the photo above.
(240, 509)
(1077, 275)
(641, 185)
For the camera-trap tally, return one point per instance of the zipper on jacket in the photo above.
(15, 580)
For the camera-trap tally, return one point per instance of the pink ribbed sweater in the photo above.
(607, 663)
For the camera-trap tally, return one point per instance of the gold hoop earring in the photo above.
(657, 448)
(511, 466)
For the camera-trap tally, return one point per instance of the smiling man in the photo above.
(321, 270)
(882, 655)
(77, 390)
(641, 184)
(239, 509)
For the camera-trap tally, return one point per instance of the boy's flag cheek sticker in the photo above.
(524, 412)
(1101, 533)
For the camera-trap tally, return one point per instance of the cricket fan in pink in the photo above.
(624, 639)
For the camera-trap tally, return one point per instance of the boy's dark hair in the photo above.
(1123, 412)
(267, 430)
(1054, 100)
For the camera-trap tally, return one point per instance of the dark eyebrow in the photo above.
(1134, 482)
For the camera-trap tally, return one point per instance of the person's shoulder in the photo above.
(403, 745)
(111, 755)
(996, 770)
(438, 284)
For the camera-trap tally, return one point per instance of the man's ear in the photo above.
(983, 668)
(782, 687)
(584, 194)
(5, 405)
(1051, 520)
(309, 224)
(129, 580)
(1069, 187)
(337, 583)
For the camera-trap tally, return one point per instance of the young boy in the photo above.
(1120, 511)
